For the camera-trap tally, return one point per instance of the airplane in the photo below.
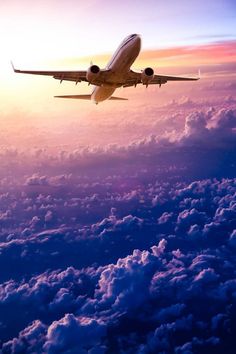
(116, 74)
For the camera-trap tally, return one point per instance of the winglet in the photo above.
(199, 74)
(15, 70)
(13, 66)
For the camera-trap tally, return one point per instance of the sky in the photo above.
(69, 34)
(118, 220)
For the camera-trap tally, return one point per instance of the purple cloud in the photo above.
(122, 248)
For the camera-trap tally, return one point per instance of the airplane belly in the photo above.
(102, 93)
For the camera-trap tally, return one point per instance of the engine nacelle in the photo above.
(92, 73)
(147, 76)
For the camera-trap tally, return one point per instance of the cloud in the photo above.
(31, 336)
(211, 128)
(76, 334)
(127, 277)
(36, 180)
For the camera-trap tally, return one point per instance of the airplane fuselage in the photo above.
(119, 66)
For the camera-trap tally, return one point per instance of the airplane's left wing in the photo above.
(135, 78)
(75, 76)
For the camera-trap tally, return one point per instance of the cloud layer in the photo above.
(124, 248)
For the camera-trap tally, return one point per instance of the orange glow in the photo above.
(186, 56)
(194, 55)
(26, 93)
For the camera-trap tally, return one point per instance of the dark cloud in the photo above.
(78, 335)
(157, 288)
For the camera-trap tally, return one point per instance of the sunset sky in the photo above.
(69, 34)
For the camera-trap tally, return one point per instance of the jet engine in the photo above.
(147, 76)
(92, 73)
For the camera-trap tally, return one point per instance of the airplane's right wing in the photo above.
(165, 78)
(135, 78)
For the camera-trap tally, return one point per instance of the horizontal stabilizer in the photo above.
(118, 98)
(76, 97)
(88, 97)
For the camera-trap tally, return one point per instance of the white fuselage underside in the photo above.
(119, 66)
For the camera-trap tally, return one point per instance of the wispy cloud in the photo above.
(211, 53)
